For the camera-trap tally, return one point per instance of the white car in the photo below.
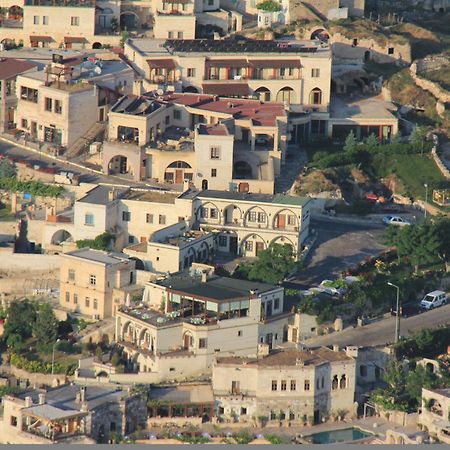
(395, 220)
(434, 300)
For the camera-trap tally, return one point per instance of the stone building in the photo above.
(434, 413)
(285, 385)
(94, 283)
(71, 414)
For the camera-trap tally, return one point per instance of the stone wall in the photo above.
(441, 166)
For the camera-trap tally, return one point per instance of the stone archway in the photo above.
(320, 34)
(119, 165)
(61, 236)
(96, 45)
(190, 89)
(242, 170)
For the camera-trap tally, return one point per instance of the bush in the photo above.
(33, 187)
(65, 367)
(67, 347)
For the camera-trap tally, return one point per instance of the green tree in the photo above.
(418, 138)
(269, 6)
(45, 329)
(351, 144)
(7, 169)
(417, 379)
(372, 143)
(101, 242)
(21, 316)
(274, 264)
(442, 230)
(124, 36)
(357, 296)
(15, 342)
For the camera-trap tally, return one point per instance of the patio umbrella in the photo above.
(128, 301)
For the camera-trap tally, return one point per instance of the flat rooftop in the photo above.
(215, 288)
(190, 393)
(288, 358)
(367, 108)
(96, 256)
(150, 196)
(277, 199)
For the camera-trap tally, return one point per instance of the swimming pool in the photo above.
(333, 436)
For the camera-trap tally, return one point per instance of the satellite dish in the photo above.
(97, 70)
(160, 92)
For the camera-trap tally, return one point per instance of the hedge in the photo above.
(33, 187)
(19, 361)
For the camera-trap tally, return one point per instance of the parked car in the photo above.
(407, 309)
(327, 286)
(433, 300)
(395, 220)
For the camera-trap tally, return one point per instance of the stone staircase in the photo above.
(82, 142)
(290, 169)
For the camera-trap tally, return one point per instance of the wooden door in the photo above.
(281, 221)
(187, 341)
(233, 245)
(178, 176)
(259, 247)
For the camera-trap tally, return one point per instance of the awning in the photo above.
(40, 39)
(74, 40)
(276, 64)
(161, 64)
(226, 89)
(235, 63)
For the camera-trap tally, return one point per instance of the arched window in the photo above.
(263, 94)
(286, 94)
(316, 97)
(363, 370)
(179, 165)
(334, 383)
(343, 382)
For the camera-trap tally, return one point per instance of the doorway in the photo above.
(233, 245)
(259, 247)
(204, 185)
(178, 176)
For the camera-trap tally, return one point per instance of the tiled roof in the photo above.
(10, 67)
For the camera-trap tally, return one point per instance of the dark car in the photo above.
(407, 310)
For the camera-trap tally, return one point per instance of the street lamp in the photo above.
(53, 356)
(426, 198)
(397, 319)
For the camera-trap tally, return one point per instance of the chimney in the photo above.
(263, 350)
(28, 402)
(336, 348)
(42, 398)
(299, 362)
(204, 276)
(186, 185)
(83, 394)
(78, 397)
(111, 195)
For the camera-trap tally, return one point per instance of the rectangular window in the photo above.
(252, 216)
(315, 73)
(240, 333)
(249, 246)
(293, 385)
(223, 241)
(191, 72)
(24, 123)
(89, 220)
(204, 213)
(177, 115)
(67, 297)
(36, 20)
(131, 239)
(180, 34)
(283, 385)
(170, 34)
(274, 385)
(58, 106)
(75, 21)
(13, 421)
(213, 173)
(235, 387)
(276, 303)
(48, 104)
(95, 303)
(92, 280)
(162, 219)
(149, 218)
(75, 299)
(167, 120)
(29, 94)
(126, 216)
(71, 275)
(202, 343)
(44, 20)
(261, 217)
(306, 385)
(390, 50)
(213, 213)
(87, 302)
(215, 152)
(291, 219)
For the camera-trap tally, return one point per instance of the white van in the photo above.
(433, 300)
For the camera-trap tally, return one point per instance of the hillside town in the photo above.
(224, 222)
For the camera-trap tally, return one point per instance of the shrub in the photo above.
(37, 366)
(33, 187)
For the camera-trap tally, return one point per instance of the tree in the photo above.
(269, 6)
(124, 38)
(418, 138)
(7, 169)
(357, 296)
(351, 144)
(21, 316)
(45, 329)
(101, 242)
(442, 230)
(273, 264)
(417, 379)
(372, 143)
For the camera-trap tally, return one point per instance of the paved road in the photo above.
(338, 246)
(382, 332)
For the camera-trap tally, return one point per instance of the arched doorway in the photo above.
(96, 45)
(242, 170)
(118, 165)
(128, 20)
(139, 263)
(61, 236)
(287, 94)
(177, 172)
(190, 89)
(320, 34)
(204, 185)
(263, 94)
(315, 97)
(367, 55)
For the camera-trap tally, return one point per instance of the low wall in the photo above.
(433, 88)
(154, 422)
(37, 379)
(441, 166)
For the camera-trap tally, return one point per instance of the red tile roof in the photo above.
(10, 67)
(226, 89)
(213, 130)
(74, 40)
(162, 64)
(41, 39)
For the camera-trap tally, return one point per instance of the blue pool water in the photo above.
(333, 436)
